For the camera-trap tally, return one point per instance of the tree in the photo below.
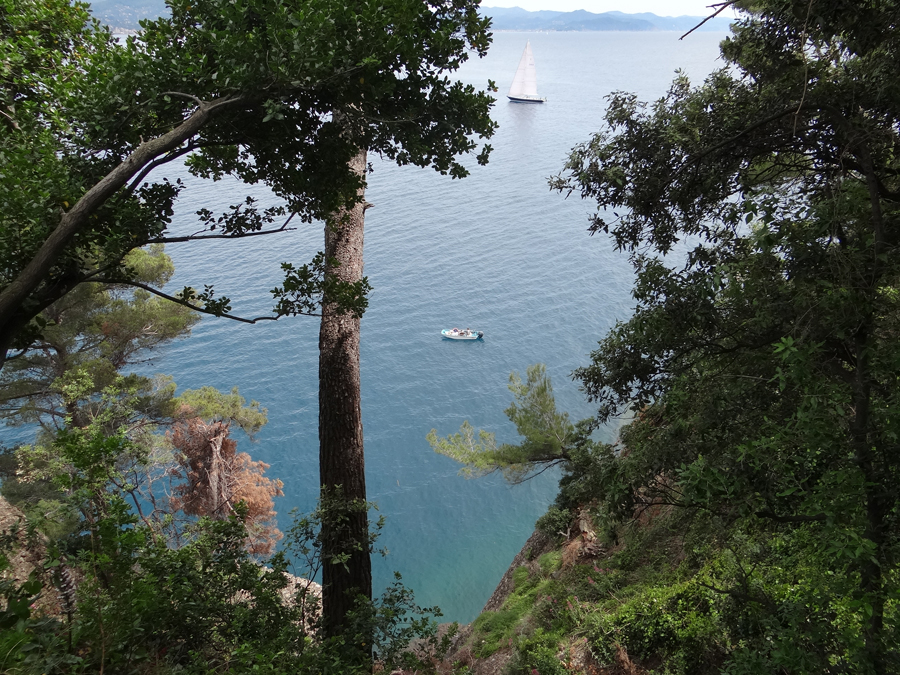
(550, 437)
(73, 378)
(347, 569)
(93, 333)
(760, 213)
(216, 477)
(247, 91)
(283, 95)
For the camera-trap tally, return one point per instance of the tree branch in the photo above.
(11, 120)
(722, 7)
(159, 162)
(753, 127)
(740, 595)
(76, 218)
(548, 464)
(179, 94)
(185, 303)
(195, 237)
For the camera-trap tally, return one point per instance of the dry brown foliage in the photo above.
(217, 477)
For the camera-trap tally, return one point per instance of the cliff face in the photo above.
(466, 644)
(570, 604)
(544, 567)
(537, 545)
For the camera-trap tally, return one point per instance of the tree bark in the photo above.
(341, 459)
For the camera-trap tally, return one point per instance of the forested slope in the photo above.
(748, 514)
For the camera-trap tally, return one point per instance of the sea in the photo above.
(498, 252)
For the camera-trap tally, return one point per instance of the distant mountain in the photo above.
(516, 18)
(125, 14)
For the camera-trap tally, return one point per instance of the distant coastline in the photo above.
(518, 19)
(125, 15)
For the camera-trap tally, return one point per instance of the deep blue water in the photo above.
(497, 252)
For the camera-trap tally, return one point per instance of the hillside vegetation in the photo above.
(748, 514)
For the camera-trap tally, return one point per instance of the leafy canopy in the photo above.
(760, 213)
(260, 90)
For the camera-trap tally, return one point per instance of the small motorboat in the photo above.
(462, 334)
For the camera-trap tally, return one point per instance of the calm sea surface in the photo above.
(497, 252)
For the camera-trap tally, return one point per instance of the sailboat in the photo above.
(524, 85)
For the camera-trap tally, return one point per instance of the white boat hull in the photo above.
(461, 334)
(521, 99)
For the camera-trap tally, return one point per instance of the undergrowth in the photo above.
(672, 599)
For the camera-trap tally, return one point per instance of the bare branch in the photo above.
(18, 355)
(11, 120)
(548, 465)
(179, 94)
(722, 7)
(159, 162)
(740, 595)
(184, 303)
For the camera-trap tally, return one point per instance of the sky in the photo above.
(660, 7)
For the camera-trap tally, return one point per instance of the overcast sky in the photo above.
(660, 7)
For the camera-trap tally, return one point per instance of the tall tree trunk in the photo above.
(877, 506)
(878, 502)
(341, 459)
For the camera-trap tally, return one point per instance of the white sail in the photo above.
(524, 84)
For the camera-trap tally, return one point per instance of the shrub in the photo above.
(555, 522)
(538, 654)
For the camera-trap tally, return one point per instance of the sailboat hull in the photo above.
(520, 99)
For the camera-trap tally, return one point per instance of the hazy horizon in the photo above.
(659, 7)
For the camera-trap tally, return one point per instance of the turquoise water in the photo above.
(497, 252)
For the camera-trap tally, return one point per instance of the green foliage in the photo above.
(555, 522)
(332, 517)
(206, 606)
(278, 94)
(308, 287)
(538, 652)
(493, 630)
(28, 643)
(404, 635)
(549, 436)
(676, 623)
(550, 562)
(212, 405)
(520, 578)
(751, 499)
(74, 386)
(761, 360)
(503, 628)
(89, 337)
